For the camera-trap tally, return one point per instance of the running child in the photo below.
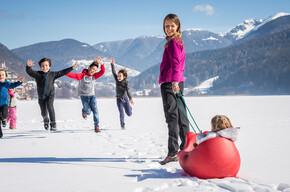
(4, 86)
(86, 89)
(12, 117)
(45, 88)
(122, 93)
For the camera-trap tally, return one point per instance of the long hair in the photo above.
(220, 122)
(178, 33)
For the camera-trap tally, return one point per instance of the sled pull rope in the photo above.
(188, 111)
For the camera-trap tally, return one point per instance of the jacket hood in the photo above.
(230, 133)
(85, 71)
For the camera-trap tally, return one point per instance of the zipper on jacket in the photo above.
(45, 85)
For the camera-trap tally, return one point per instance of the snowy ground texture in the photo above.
(77, 159)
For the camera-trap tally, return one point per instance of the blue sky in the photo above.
(26, 22)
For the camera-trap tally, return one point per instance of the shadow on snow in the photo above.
(67, 160)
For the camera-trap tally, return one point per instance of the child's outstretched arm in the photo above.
(66, 71)
(76, 76)
(30, 71)
(16, 84)
(113, 69)
(100, 73)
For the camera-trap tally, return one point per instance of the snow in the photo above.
(276, 16)
(203, 87)
(242, 29)
(194, 29)
(77, 159)
(210, 38)
(248, 26)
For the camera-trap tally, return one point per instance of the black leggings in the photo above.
(3, 112)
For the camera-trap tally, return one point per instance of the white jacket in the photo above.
(229, 133)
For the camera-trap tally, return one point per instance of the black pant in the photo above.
(176, 120)
(47, 105)
(3, 112)
(3, 115)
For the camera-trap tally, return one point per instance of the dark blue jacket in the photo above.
(45, 81)
(4, 86)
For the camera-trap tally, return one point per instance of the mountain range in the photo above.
(60, 52)
(144, 53)
(257, 66)
(11, 60)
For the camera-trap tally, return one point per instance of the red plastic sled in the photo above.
(214, 158)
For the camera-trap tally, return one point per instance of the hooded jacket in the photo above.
(229, 133)
(122, 87)
(45, 81)
(86, 81)
(4, 86)
(173, 62)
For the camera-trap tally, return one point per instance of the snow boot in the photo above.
(53, 127)
(46, 125)
(169, 159)
(4, 122)
(1, 134)
(97, 129)
(85, 116)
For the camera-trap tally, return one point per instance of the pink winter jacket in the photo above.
(172, 65)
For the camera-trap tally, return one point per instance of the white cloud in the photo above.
(208, 9)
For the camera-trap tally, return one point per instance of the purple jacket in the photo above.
(172, 65)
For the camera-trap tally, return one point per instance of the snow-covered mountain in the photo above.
(60, 52)
(271, 18)
(242, 29)
(249, 26)
(143, 52)
(146, 51)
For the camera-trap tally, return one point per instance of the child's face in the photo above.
(120, 77)
(2, 76)
(170, 27)
(45, 66)
(92, 70)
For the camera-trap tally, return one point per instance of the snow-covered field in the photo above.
(77, 159)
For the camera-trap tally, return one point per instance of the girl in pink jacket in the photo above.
(171, 80)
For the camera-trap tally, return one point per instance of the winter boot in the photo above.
(46, 125)
(97, 129)
(53, 126)
(4, 122)
(169, 159)
(85, 116)
(1, 134)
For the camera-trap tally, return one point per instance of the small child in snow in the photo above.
(45, 88)
(86, 89)
(4, 86)
(221, 126)
(12, 118)
(122, 93)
